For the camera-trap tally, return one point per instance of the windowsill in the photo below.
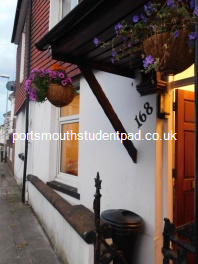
(67, 179)
(69, 190)
(79, 217)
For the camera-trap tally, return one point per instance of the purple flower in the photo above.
(129, 44)
(112, 60)
(32, 94)
(176, 33)
(118, 27)
(40, 78)
(69, 80)
(34, 70)
(32, 97)
(143, 18)
(28, 82)
(147, 8)
(196, 11)
(135, 19)
(32, 76)
(27, 85)
(192, 35)
(154, 27)
(147, 61)
(113, 53)
(192, 4)
(61, 75)
(123, 38)
(52, 74)
(170, 3)
(64, 82)
(150, 59)
(96, 41)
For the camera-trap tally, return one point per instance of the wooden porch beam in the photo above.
(183, 82)
(106, 106)
(127, 72)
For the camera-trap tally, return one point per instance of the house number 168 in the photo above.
(142, 116)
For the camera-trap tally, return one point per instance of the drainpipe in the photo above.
(196, 143)
(27, 105)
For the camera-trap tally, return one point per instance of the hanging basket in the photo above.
(59, 95)
(178, 57)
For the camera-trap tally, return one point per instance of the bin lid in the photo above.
(122, 218)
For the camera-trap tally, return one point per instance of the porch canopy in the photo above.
(71, 40)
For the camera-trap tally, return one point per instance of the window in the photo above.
(69, 128)
(59, 9)
(67, 6)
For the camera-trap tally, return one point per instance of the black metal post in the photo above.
(97, 219)
(166, 241)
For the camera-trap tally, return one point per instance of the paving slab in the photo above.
(22, 238)
(8, 253)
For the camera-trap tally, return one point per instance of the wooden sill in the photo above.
(78, 216)
(60, 187)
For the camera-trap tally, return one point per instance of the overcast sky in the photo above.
(7, 50)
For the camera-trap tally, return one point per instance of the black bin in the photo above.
(126, 227)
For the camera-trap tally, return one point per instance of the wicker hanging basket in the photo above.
(177, 57)
(59, 95)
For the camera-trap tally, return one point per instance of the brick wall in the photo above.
(40, 26)
(20, 94)
(38, 59)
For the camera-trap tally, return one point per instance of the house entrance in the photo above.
(184, 160)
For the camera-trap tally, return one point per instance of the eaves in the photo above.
(19, 20)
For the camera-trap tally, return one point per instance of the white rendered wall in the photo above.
(135, 187)
(19, 147)
(141, 188)
(124, 184)
(42, 154)
(69, 244)
(2, 134)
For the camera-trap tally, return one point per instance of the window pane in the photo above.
(67, 6)
(72, 108)
(69, 149)
(74, 3)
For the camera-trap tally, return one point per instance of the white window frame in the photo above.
(22, 62)
(55, 12)
(58, 11)
(66, 178)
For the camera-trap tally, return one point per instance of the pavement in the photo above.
(22, 238)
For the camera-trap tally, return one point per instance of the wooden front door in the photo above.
(185, 147)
